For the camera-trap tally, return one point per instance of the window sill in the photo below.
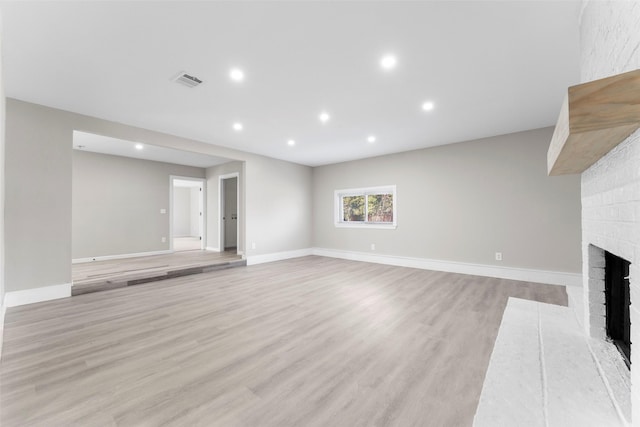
(374, 226)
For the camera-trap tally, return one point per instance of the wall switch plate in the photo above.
(163, 211)
(253, 245)
(498, 256)
(164, 240)
(373, 246)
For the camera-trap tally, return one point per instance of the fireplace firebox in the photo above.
(617, 302)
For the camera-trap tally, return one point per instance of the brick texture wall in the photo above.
(610, 44)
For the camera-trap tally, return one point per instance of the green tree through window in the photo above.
(380, 208)
(353, 208)
(374, 206)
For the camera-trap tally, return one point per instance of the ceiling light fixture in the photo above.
(236, 74)
(428, 106)
(388, 62)
(324, 117)
(139, 146)
(237, 126)
(291, 142)
(371, 139)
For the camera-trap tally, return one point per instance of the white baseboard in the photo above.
(278, 256)
(512, 273)
(30, 296)
(120, 256)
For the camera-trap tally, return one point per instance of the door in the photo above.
(230, 215)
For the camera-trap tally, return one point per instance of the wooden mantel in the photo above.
(595, 117)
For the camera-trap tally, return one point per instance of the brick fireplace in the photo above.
(610, 45)
(611, 222)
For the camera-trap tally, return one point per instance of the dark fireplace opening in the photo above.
(617, 302)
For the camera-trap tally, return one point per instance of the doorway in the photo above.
(187, 214)
(229, 190)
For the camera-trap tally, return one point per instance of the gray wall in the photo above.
(117, 202)
(275, 200)
(461, 202)
(37, 198)
(38, 182)
(279, 206)
(2, 168)
(464, 202)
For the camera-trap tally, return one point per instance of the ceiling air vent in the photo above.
(187, 80)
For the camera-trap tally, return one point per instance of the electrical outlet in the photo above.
(253, 245)
(163, 211)
(498, 256)
(373, 246)
(164, 240)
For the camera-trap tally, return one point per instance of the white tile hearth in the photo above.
(542, 373)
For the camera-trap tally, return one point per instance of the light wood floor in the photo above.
(118, 273)
(307, 342)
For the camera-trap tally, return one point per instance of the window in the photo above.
(373, 207)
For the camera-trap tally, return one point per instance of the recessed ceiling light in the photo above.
(237, 126)
(428, 106)
(139, 146)
(291, 142)
(324, 117)
(236, 74)
(371, 139)
(388, 62)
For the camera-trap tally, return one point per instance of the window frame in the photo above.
(339, 221)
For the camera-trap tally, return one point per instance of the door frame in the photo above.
(221, 178)
(203, 204)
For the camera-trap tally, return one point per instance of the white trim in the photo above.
(512, 273)
(278, 256)
(120, 256)
(30, 296)
(368, 225)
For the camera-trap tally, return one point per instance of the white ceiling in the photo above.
(85, 141)
(490, 68)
